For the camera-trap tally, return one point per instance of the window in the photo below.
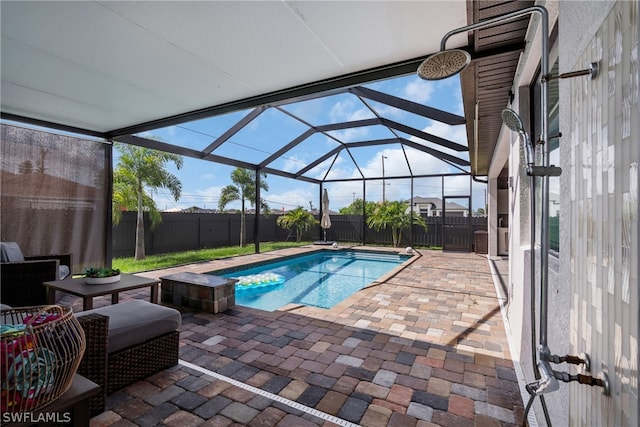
(554, 154)
(554, 159)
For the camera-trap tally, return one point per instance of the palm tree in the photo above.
(244, 189)
(298, 219)
(395, 216)
(141, 169)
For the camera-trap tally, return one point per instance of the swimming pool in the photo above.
(321, 279)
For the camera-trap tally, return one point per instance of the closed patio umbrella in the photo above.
(325, 221)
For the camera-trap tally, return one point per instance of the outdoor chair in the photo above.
(127, 342)
(21, 277)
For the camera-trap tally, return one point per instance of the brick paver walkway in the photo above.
(424, 347)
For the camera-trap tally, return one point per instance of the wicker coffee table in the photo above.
(79, 288)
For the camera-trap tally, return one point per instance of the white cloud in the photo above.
(343, 193)
(351, 134)
(207, 198)
(389, 112)
(292, 198)
(457, 134)
(348, 110)
(210, 193)
(293, 164)
(419, 91)
(452, 133)
(337, 170)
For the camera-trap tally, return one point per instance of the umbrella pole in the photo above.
(325, 234)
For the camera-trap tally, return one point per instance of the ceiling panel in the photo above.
(246, 41)
(365, 32)
(119, 64)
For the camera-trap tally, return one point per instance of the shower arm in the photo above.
(544, 71)
(548, 382)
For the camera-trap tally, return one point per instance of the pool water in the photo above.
(320, 279)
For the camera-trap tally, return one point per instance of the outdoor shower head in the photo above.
(443, 64)
(512, 120)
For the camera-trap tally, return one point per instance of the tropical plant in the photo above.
(140, 169)
(297, 219)
(355, 208)
(244, 189)
(395, 215)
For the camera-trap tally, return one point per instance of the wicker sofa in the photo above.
(112, 369)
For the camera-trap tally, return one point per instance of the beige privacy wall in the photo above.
(603, 165)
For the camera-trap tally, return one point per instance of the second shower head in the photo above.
(512, 120)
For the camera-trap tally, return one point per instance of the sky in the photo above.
(202, 181)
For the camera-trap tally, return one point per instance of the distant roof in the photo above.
(42, 185)
(437, 203)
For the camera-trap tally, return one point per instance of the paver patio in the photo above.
(424, 347)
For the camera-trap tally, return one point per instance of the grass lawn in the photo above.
(153, 262)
